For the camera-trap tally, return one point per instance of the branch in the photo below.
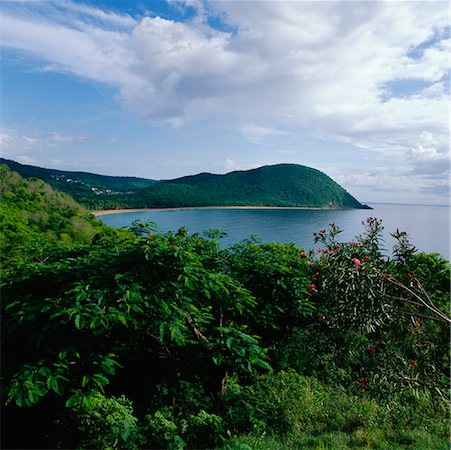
(198, 334)
(430, 307)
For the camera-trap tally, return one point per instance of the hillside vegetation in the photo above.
(140, 339)
(31, 211)
(287, 185)
(92, 190)
(278, 185)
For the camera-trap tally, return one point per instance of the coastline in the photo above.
(182, 208)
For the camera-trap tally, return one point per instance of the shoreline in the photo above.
(182, 208)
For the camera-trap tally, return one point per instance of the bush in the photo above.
(389, 313)
(108, 423)
(162, 430)
(168, 429)
(204, 429)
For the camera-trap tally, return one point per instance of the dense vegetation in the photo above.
(92, 190)
(279, 185)
(30, 211)
(142, 339)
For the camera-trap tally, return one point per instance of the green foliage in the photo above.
(34, 218)
(389, 316)
(162, 430)
(199, 430)
(92, 190)
(108, 423)
(204, 429)
(120, 299)
(279, 278)
(360, 439)
(289, 411)
(278, 185)
(286, 402)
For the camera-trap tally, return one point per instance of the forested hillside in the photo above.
(31, 211)
(92, 190)
(279, 185)
(141, 339)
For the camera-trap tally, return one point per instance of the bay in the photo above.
(428, 226)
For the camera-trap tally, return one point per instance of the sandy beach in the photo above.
(119, 211)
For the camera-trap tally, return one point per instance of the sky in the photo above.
(358, 89)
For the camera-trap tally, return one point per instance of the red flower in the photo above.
(303, 255)
(312, 287)
(362, 383)
(413, 363)
(356, 261)
(320, 250)
(370, 348)
(336, 246)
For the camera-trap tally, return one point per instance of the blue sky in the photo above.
(357, 89)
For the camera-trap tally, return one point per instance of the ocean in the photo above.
(427, 226)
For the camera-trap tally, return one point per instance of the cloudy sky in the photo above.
(358, 89)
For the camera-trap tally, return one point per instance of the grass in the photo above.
(359, 439)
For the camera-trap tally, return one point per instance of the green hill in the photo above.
(288, 185)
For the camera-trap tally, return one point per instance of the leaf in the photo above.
(88, 401)
(122, 319)
(73, 400)
(263, 364)
(101, 380)
(77, 322)
(85, 381)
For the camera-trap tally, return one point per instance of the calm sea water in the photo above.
(427, 226)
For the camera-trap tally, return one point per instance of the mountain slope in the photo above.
(92, 190)
(32, 211)
(278, 185)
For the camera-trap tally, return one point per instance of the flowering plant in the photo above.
(389, 302)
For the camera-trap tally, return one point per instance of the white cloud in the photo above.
(14, 143)
(320, 66)
(257, 134)
(427, 149)
(58, 138)
(231, 165)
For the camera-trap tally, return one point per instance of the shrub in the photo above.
(108, 423)
(162, 430)
(204, 429)
(390, 313)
